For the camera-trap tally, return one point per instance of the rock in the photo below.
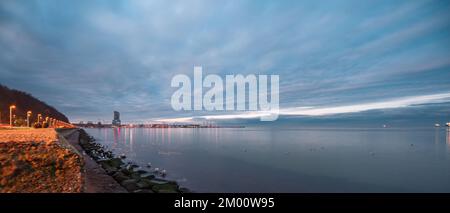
(110, 170)
(148, 176)
(165, 188)
(143, 191)
(130, 184)
(107, 167)
(113, 162)
(109, 154)
(116, 162)
(140, 171)
(131, 167)
(144, 183)
(126, 171)
(123, 156)
(119, 177)
(184, 190)
(164, 181)
(167, 191)
(94, 156)
(157, 186)
(160, 181)
(135, 176)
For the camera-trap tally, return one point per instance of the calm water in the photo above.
(291, 160)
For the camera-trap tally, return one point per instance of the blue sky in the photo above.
(88, 58)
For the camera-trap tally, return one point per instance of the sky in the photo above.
(334, 58)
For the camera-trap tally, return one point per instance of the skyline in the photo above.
(332, 58)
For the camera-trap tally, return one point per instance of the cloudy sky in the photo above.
(88, 58)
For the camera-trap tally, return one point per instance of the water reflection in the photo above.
(436, 136)
(131, 139)
(447, 139)
(274, 160)
(437, 148)
(116, 135)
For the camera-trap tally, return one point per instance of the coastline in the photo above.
(95, 179)
(130, 176)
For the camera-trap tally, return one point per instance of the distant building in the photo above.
(116, 120)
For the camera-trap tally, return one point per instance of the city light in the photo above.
(11, 114)
(28, 118)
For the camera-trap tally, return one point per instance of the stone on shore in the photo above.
(130, 184)
(165, 188)
(143, 191)
(132, 177)
(119, 177)
(113, 162)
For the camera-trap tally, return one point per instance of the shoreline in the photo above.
(95, 179)
(130, 176)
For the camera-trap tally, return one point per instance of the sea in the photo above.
(297, 159)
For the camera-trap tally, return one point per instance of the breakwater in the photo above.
(132, 177)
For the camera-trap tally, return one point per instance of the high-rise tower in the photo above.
(116, 120)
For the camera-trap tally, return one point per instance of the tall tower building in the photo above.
(116, 120)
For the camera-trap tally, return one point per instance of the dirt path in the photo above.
(96, 179)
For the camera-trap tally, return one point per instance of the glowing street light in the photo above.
(28, 118)
(10, 115)
(46, 122)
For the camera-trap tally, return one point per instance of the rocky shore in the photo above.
(130, 176)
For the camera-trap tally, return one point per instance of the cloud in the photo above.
(387, 104)
(313, 111)
(103, 56)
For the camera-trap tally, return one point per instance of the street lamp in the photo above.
(10, 115)
(46, 122)
(28, 118)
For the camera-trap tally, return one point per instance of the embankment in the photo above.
(132, 177)
(38, 160)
